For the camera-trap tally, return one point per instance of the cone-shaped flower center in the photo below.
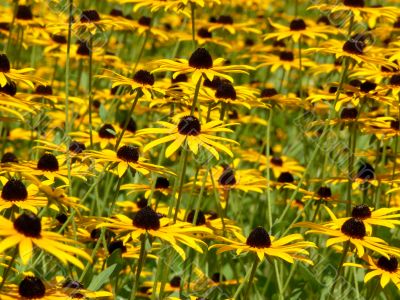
(29, 225)
(132, 127)
(354, 3)
(14, 190)
(297, 25)
(395, 80)
(9, 157)
(175, 281)
(31, 288)
(268, 92)
(368, 86)
(48, 162)
(72, 284)
(259, 238)
(227, 20)
(225, 91)
(204, 33)
(324, 192)
(145, 21)
(354, 228)
(107, 131)
(128, 153)
(162, 183)
(201, 59)
(24, 12)
(366, 171)
(88, 16)
(147, 218)
(59, 39)
(144, 77)
(201, 218)
(389, 265)
(76, 147)
(4, 63)
(285, 177)
(115, 245)
(44, 90)
(361, 211)
(354, 46)
(10, 88)
(227, 177)
(277, 161)
(189, 125)
(83, 49)
(395, 124)
(349, 113)
(286, 56)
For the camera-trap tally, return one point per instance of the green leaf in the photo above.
(101, 279)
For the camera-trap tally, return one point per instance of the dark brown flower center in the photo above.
(201, 218)
(132, 127)
(297, 25)
(144, 77)
(72, 284)
(145, 21)
(213, 84)
(189, 125)
(361, 212)
(24, 12)
(349, 113)
(62, 218)
(44, 90)
(268, 92)
(76, 147)
(142, 202)
(48, 162)
(368, 86)
(227, 177)
(14, 190)
(324, 192)
(116, 13)
(146, 218)
(226, 20)
(354, 46)
(59, 39)
(29, 225)
(4, 63)
(366, 171)
(175, 281)
(201, 59)
(10, 88)
(259, 238)
(225, 91)
(286, 56)
(9, 157)
(162, 183)
(354, 3)
(354, 228)
(285, 177)
(395, 80)
(31, 288)
(115, 245)
(277, 161)
(88, 16)
(395, 124)
(107, 131)
(389, 265)
(128, 153)
(324, 20)
(204, 33)
(83, 49)
(179, 78)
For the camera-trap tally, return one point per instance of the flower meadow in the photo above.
(199, 149)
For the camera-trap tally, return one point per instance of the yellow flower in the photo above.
(8, 74)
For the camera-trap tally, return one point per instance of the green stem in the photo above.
(352, 143)
(90, 89)
(6, 271)
(142, 258)
(67, 67)
(252, 275)
(182, 172)
(193, 17)
(248, 279)
(195, 96)
(146, 37)
(339, 271)
(268, 169)
(138, 95)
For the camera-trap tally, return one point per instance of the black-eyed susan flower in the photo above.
(26, 231)
(264, 245)
(227, 23)
(385, 268)
(126, 157)
(200, 63)
(8, 74)
(190, 132)
(148, 221)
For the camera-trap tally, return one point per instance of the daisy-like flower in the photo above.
(32, 287)
(148, 221)
(298, 29)
(354, 48)
(124, 158)
(7, 74)
(49, 167)
(380, 217)
(15, 193)
(161, 185)
(354, 232)
(190, 132)
(200, 63)
(27, 231)
(262, 244)
(226, 22)
(385, 268)
(286, 60)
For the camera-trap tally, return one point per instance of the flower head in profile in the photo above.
(289, 248)
(8, 74)
(200, 64)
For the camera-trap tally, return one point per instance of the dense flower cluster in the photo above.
(199, 149)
